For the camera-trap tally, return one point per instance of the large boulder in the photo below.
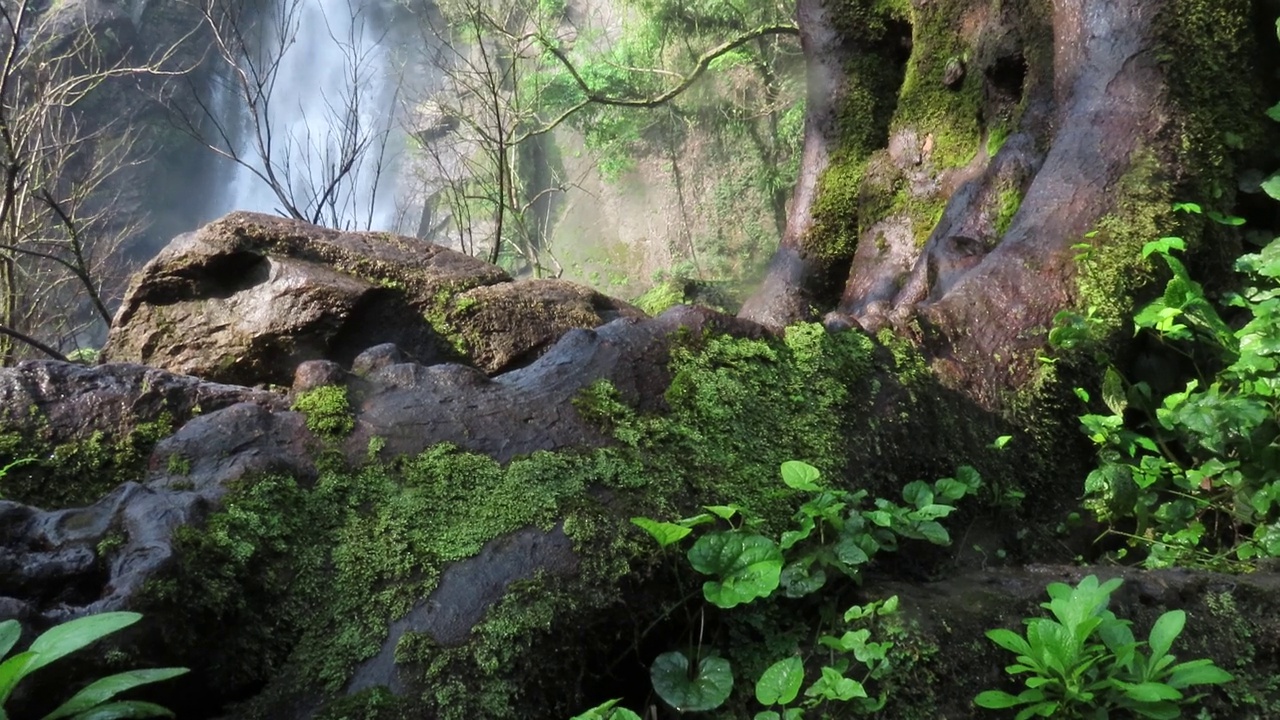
(248, 298)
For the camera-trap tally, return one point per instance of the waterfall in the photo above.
(318, 117)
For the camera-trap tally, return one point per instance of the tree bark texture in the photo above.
(1019, 128)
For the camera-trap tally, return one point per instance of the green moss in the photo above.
(77, 473)
(1204, 46)
(440, 316)
(178, 465)
(996, 137)
(1007, 203)
(312, 574)
(658, 298)
(328, 411)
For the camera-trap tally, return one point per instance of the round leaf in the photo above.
(705, 691)
(746, 566)
(780, 684)
(800, 476)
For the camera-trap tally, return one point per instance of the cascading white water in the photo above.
(326, 117)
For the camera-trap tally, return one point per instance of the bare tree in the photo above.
(318, 151)
(60, 151)
(510, 73)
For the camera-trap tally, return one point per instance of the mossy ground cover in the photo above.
(310, 576)
(78, 472)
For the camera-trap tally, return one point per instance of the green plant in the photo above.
(1086, 663)
(5, 469)
(328, 411)
(91, 702)
(834, 531)
(1193, 476)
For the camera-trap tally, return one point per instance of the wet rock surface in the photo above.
(55, 562)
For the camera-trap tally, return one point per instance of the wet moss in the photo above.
(76, 473)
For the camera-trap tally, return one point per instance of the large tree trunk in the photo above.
(964, 240)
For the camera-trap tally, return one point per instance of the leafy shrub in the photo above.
(834, 531)
(1086, 663)
(91, 703)
(1195, 474)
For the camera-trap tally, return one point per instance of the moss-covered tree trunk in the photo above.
(952, 192)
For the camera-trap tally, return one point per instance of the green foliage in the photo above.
(328, 411)
(607, 711)
(833, 530)
(658, 298)
(1194, 475)
(5, 469)
(1086, 663)
(94, 701)
(81, 471)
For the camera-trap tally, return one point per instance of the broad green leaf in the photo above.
(970, 477)
(849, 553)
(780, 683)
(932, 512)
(125, 710)
(1197, 672)
(996, 700)
(1163, 246)
(934, 533)
(797, 580)
(879, 517)
(706, 691)
(835, 686)
(949, 489)
(1151, 692)
(664, 532)
(918, 493)
(767, 715)
(806, 526)
(10, 631)
(1009, 640)
(61, 640)
(890, 606)
(12, 671)
(1113, 392)
(746, 566)
(1165, 631)
(100, 691)
(1271, 186)
(1224, 219)
(800, 476)
(724, 512)
(607, 711)
(1000, 442)
(1158, 711)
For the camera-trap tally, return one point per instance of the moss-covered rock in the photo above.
(248, 298)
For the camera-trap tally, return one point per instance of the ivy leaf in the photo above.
(747, 566)
(780, 683)
(707, 690)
